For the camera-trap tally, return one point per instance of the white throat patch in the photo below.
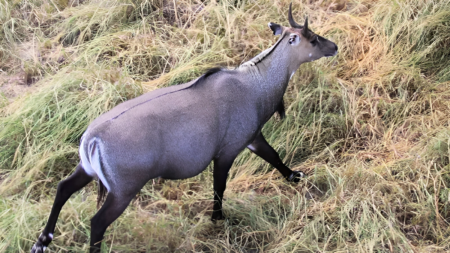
(292, 74)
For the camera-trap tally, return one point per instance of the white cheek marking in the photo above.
(50, 235)
(310, 55)
(45, 248)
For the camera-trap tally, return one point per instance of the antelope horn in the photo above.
(291, 19)
(305, 27)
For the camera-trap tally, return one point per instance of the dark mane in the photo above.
(209, 72)
(199, 80)
(255, 60)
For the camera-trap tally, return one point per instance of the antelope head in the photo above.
(304, 44)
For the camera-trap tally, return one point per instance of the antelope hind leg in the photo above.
(66, 188)
(111, 209)
(222, 166)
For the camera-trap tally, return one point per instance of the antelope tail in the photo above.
(102, 191)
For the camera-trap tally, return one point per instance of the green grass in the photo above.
(370, 126)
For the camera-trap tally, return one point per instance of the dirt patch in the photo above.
(13, 85)
(193, 209)
(28, 66)
(21, 73)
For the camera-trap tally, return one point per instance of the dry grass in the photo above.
(370, 126)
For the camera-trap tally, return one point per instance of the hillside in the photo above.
(370, 127)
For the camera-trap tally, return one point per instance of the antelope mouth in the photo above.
(333, 54)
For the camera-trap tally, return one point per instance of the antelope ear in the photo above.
(276, 28)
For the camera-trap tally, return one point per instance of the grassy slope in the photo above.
(370, 126)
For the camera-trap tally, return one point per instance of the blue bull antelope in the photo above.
(175, 132)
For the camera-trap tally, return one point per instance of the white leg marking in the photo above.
(50, 235)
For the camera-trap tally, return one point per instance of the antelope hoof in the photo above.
(38, 247)
(217, 215)
(295, 176)
(42, 243)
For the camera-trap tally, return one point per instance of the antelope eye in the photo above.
(292, 38)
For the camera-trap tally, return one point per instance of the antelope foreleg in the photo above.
(261, 148)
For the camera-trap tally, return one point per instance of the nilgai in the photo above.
(175, 132)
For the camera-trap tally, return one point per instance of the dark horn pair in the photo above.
(294, 24)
